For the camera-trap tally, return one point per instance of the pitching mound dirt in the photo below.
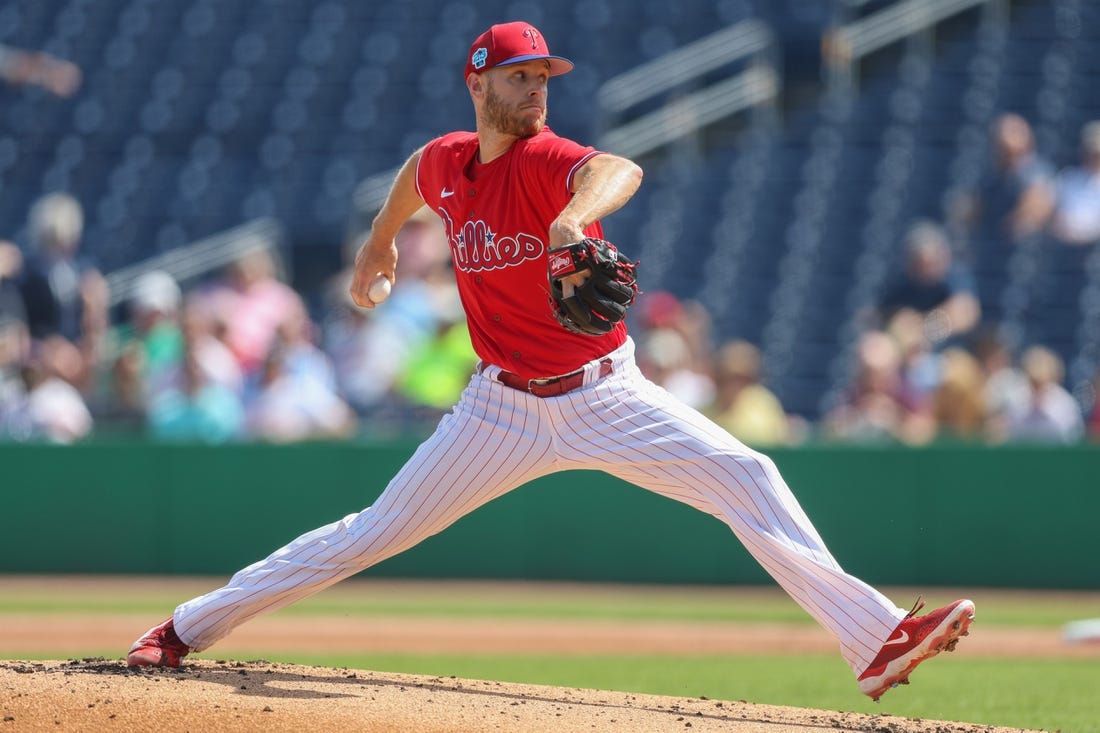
(106, 695)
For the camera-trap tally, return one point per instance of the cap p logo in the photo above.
(479, 57)
(532, 34)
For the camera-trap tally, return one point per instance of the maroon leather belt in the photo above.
(551, 386)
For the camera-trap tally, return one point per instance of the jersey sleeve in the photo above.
(559, 161)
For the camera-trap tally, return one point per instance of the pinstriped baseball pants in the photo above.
(497, 439)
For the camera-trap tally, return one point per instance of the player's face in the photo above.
(515, 98)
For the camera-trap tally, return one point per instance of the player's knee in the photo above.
(765, 463)
(757, 466)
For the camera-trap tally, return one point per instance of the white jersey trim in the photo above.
(577, 165)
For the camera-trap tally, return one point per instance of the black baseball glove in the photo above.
(596, 306)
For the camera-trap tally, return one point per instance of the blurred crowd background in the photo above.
(896, 245)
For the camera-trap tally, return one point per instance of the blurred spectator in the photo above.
(196, 409)
(1006, 386)
(50, 408)
(252, 302)
(920, 366)
(302, 359)
(204, 334)
(14, 351)
(1093, 414)
(941, 291)
(878, 406)
(55, 75)
(958, 403)
(674, 346)
(155, 318)
(665, 357)
(1015, 197)
(14, 338)
(439, 370)
(743, 406)
(1077, 194)
(661, 309)
(149, 356)
(371, 349)
(63, 294)
(1051, 414)
(365, 369)
(11, 267)
(295, 402)
(119, 405)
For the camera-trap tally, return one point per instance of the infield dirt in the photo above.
(106, 695)
(93, 694)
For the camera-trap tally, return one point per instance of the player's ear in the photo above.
(476, 84)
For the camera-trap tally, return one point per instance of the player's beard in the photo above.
(507, 121)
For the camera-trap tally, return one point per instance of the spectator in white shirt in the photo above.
(1050, 414)
(1076, 219)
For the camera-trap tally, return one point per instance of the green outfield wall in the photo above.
(973, 516)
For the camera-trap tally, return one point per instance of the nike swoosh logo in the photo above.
(901, 640)
(445, 193)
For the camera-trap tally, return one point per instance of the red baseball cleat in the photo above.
(913, 641)
(159, 647)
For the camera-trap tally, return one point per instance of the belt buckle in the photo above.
(548, 381)
(536, 382)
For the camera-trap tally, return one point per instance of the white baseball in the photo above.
(379, 289)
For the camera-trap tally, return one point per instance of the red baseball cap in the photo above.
(512, 43)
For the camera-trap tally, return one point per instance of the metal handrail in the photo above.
(852, 41)
(693, 112)
(196, 259)
(742, 40)
(371, 193)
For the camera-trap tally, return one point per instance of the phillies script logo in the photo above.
(477, 248)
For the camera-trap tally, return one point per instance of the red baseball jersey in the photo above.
(497, 216)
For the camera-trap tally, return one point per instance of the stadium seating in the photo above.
(198, 115)
(809, 218)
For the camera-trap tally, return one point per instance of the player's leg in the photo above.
(485, 448)
(658, 443)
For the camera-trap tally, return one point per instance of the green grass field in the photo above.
(1035, 693)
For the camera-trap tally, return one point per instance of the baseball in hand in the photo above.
(379, 289)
